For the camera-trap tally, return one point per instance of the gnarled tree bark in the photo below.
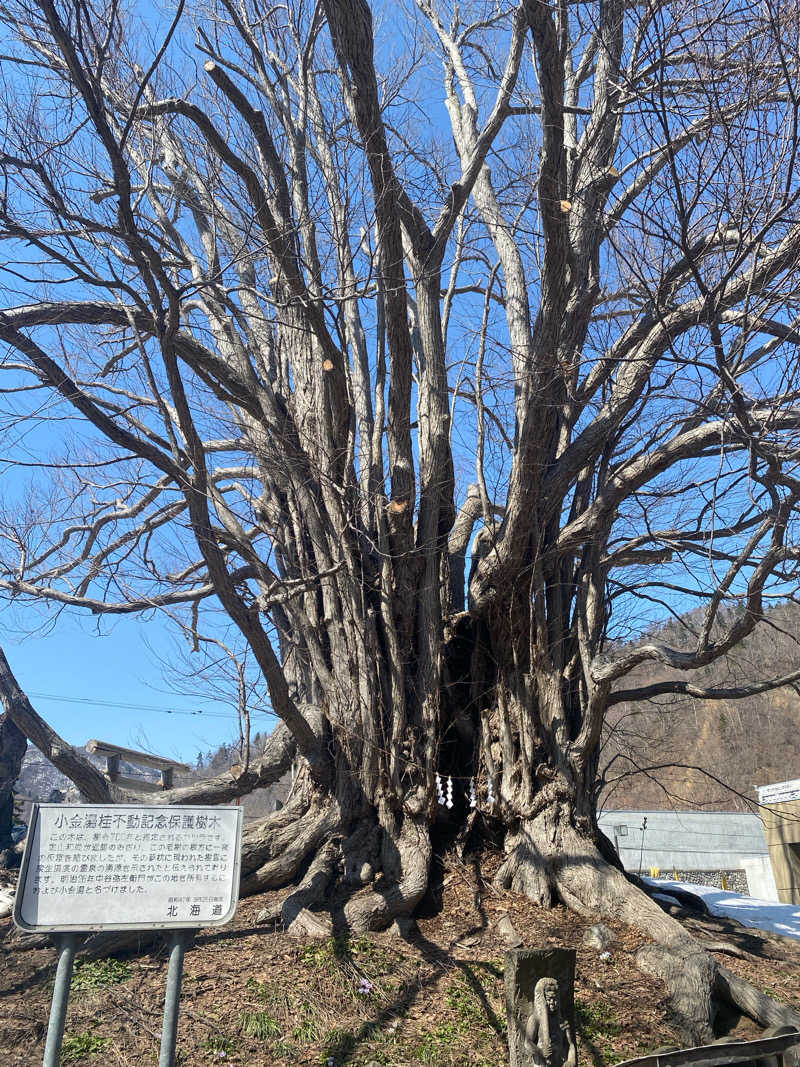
(13, 745)
(286, 321)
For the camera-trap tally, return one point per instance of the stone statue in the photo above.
(549, 1040)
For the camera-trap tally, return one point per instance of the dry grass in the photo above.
(254, 996)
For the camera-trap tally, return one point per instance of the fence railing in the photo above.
(115, 753)
(786, 1047)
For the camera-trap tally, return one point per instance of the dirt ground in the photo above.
(254, 995)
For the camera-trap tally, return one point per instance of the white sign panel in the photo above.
(780, 792)
(128, 867)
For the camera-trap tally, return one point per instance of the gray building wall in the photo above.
(690, 842)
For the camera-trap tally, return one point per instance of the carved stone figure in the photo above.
(540, 1007)
(548, 1036)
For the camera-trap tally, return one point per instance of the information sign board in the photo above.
(780, 792)
(128, 867)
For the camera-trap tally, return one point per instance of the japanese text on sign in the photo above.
(123, 867)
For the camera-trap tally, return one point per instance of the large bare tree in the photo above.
(320, 296)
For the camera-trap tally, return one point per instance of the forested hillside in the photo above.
(687, 752)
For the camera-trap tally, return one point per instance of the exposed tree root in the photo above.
(310, 842)
(406, 864)
(687, 971)
(755, 1004)
(313, 886)
(361, 852)
(551, 859)
(288, 845)
(267, 838)
(525, 870)
(97, 945)
(350, 863)
(684, 897)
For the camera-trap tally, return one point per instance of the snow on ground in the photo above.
(765, 915)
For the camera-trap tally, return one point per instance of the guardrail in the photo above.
(115, 753)
(725, 1054)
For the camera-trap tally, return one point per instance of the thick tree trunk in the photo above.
(327, 833)
(13, 744)
(361, 866)
(552, 858)
(353, 862)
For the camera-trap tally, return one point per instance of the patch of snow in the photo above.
(6, 902)
(767, 915)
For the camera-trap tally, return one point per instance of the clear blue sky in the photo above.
(107, 683)
(78, 680)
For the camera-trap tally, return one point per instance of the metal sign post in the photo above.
(127, 867)
(68, 944)
(178, 941)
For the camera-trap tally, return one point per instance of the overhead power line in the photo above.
(144, 707)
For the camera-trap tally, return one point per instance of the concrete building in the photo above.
(700, 846)
(781, 812)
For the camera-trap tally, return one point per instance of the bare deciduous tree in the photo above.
(285, 300)
(12, 752)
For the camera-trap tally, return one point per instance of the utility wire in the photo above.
(142, 707)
